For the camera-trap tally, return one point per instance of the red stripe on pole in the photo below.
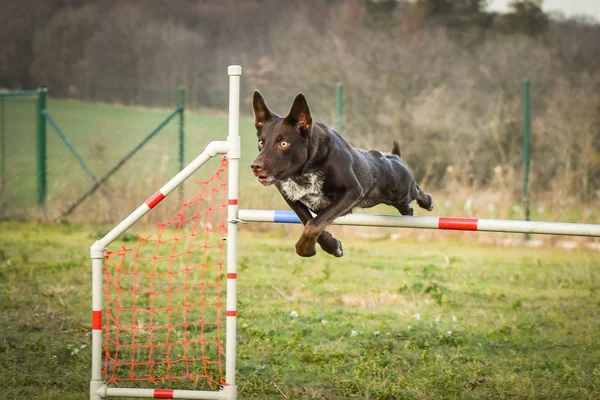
(460, 224)
(231, 276)
(155, 199)
(163, 393)
(96, 320)
(231, 313)
(233, 202)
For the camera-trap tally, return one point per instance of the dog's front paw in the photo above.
(330, 244)
(305, 248)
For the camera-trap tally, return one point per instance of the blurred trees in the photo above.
(59, 48)
(526, 17)
(442, 76)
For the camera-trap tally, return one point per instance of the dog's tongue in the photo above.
(266, 180)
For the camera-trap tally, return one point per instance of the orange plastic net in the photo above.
(163, 295)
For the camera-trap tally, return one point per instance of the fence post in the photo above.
(122, 161)
(338, 95)
(181, 109)
(526, 145)
(2, 148)
(41, 145)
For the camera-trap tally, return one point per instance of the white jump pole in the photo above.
(446, 223)
(231, 147)
(160, 393)
(235, 71)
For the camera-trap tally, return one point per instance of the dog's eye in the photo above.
(284, 144)
(260, 143)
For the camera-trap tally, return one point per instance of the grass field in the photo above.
(393, 319)
(390, 320)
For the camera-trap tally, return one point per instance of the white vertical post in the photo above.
(97, 256)
(235, 72)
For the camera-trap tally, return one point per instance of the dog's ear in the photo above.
(262, 114)
(299, 115)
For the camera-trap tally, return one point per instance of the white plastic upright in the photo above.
(97, 256)
(235, 72)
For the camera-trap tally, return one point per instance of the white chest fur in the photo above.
(307, 189)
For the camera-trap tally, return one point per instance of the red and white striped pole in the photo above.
(445, 223)
(97, 256)
(235, 72)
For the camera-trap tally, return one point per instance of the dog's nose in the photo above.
(256, 166)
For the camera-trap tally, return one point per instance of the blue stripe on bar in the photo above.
(286, 217)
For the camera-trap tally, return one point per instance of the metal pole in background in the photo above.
(526, 145)
(120, 163)
(338, 95)
(2, 149)
(181, 109)
(41, 145)
(62, 137)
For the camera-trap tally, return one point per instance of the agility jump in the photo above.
(158, 314)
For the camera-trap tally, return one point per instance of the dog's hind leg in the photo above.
(330, 244)
(424, 200)
(404, 208)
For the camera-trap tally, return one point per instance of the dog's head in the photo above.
(283, 142)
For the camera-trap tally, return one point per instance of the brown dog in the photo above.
(315, 169)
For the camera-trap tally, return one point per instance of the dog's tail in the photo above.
(396, 149)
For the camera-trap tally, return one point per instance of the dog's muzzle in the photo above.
(264, 178)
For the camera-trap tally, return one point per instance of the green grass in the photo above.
(389, 320)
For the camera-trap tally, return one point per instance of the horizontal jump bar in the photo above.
(105, 392)
(446, 223)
